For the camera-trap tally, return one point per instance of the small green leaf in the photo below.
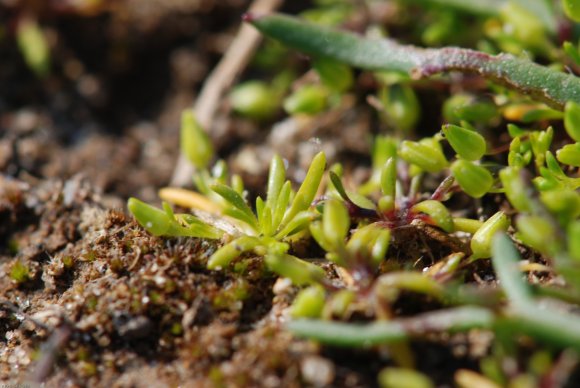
(477, 111)
(308, 189)
(337, 183)
(340, 302)
(334, 75)
(569, 154)
(572, 9)
(276, 178)
(573, 234)
(309, 99)
(515, 131)
(572, 119)
(553, 165)
(402, 377)
(236, 200)
(223, 256)
(299, 271)
(572, 51)
(237, 184)
(281, 204)
(515, 189)
(386, 204)
(401, 106)
(427, 158)
(241, 216)
(317, 232)
(437, 212)
(335, 222)
(169, 211)
(195, 143)
(298, 223)
(308, 303)
(33, 45)
(468, 144)
(540, 142)
(505, 261)
(475, 180)
(563, 202)
(380, 246)
(537, 232)
(154, 220)
(264, 214)
(255, 99)
(481, 241)
(389, 178)
(164, 223)
(384, 147)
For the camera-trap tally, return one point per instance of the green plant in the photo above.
(472, 190)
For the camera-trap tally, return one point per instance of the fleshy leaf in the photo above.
(542, 83)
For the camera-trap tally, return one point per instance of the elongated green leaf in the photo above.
(275, 180)
(389, 285)
(482, 240)
(389, 177)
(236, 200)
(308, 189)
(299, 222)
(480, 7)
(337, 183)
(335, 222)
(195, 143)
(264, 214)
(317, 233)
(299, 271)
(164, 223)
(505, 260)
(364, 335)
(281, 204)
(154, 220)
(549, 326)
(540, 82)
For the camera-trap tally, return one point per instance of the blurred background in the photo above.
(98, 86)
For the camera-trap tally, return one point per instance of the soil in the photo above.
(103, 303)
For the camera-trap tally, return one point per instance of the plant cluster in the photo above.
(532, 172)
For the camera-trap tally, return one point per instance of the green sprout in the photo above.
(34, 46)
(278, 217)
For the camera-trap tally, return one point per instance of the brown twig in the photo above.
(49, 353)
(233, 62)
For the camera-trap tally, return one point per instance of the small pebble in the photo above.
(317, 371)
